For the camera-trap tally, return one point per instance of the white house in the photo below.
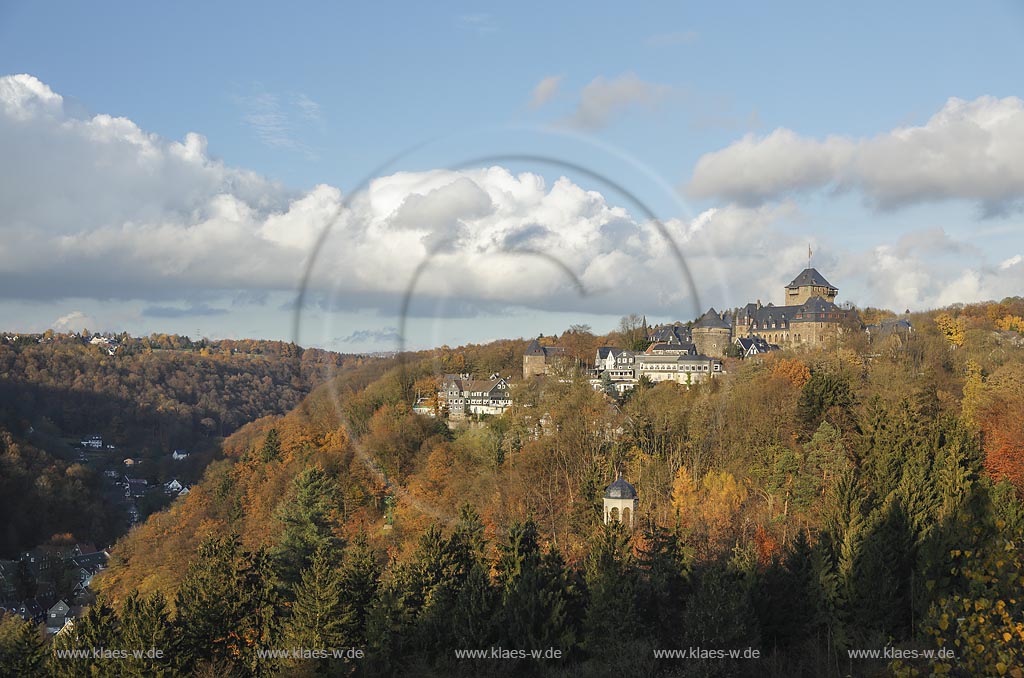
(476, 396)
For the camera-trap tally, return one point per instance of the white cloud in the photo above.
(602, 99)
(1011, 262)
(545, 91)
(970, 150)
(99, 209)
(76, 321)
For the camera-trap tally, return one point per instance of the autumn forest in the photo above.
(806, 504)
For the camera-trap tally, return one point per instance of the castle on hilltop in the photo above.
(689, 354)
(808, 316)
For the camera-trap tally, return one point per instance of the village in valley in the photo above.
(50, 583)
(684, 353)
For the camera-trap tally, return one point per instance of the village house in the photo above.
(175, 488)
(463, 397)
(134, 487)
(754, 346)
(57, 616)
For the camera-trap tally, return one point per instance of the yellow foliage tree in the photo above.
(982, 630)
(685, 494)
(952, 328)
(973, 389)
(1011, 323)
(792, 370)
(725, 494)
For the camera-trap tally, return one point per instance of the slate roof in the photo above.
(671, 334)
(758, 343)
(809, 277)
(711, 320)
(91, 560)
(620, 489)
(535, 349)
(480, 385)
(672, 348)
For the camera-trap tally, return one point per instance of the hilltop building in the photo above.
(809, 317)
(465, 396)
(540, 360)
(712, 333)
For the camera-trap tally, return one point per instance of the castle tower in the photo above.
(712, 334)
(534, 360)
(808, 284)
(620, 502)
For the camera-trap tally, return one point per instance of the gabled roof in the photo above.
(711, 320)
(809, 277)
(535, 349)
(91, 560)
(485, 385)
(819, 305)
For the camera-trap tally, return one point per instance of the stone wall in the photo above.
(712, 341)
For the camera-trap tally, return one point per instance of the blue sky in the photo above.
(322, 93)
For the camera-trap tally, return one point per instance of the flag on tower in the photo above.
(809, 255)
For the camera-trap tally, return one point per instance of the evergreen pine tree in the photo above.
(271, 449)
(22, 652)
(145, 627)
(662, 585)
(207, 604)
(309, 517)
(611, 616)
(319, 619)
(360, 579)
(98, 629)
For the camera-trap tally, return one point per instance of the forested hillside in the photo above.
(154, 392)
(803, 505)
(145, 397)
(42, 496)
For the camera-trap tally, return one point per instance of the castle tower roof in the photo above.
(711, 320)
(809, 278)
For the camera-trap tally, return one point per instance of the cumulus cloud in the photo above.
(969, 150)
(76, 321)
(545, 91)
(97, 208)
(926, 269)
(603, 99)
